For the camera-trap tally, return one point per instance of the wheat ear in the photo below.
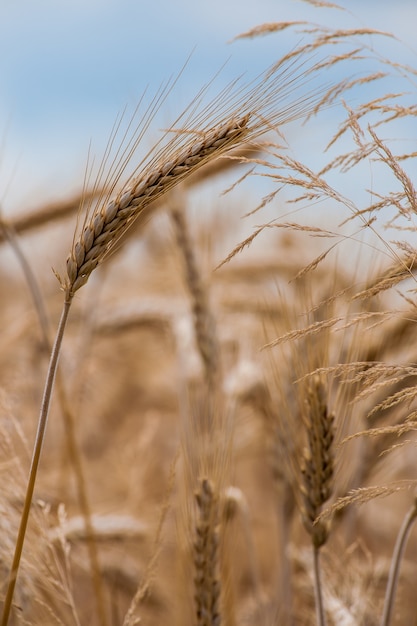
(204, 323)
(317, 477)
(107, 223)
(317, 469)
(207, 585)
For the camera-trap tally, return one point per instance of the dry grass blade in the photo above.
(313, 329)
(265, 29)
(365, 494)
(398, 272)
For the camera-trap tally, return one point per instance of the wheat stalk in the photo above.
(400, 545)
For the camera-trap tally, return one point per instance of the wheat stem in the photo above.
(318, 593)
(10, 236)
(396, 561)
(40, 436)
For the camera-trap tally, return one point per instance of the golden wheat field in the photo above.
(208, 409)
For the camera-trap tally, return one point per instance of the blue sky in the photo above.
(68, 67)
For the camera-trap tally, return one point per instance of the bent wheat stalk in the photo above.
(99, 236)
(399, 549)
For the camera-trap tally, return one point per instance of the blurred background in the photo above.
(68, 68)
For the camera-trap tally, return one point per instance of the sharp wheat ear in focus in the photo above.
(109, 222)
(245, 113)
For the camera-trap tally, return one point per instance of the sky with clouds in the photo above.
(68, 67)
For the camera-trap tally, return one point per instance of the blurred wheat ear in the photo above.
(206, 580)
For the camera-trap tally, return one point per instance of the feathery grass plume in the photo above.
(206, 580)
(305, 185)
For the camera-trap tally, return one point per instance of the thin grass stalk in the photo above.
(75, 459)
(318, 591)
(40, 436)
(396, 561)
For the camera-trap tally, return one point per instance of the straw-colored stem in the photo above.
(395, 563)
(318, 592)
(40, 436)
(75, 459)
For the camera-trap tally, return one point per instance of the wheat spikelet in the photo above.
(107, 223)
(207, 585)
